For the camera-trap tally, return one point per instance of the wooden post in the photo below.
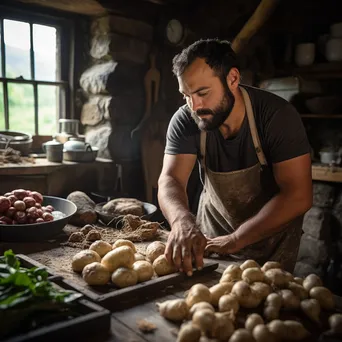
(255, 22)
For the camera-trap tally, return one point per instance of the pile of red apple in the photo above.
(24, 207)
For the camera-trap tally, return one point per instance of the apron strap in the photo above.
(203, 143)
(253, 128)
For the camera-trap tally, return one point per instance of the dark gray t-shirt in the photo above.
(279, 126)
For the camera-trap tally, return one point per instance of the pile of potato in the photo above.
(24, 207)
(210, 312)
(120, 263)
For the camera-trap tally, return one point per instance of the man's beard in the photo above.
(217, 116)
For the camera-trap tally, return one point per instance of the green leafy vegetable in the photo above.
(27, 296)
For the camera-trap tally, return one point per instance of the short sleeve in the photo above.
(286, 136)
(181, 134)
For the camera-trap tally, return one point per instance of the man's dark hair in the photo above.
(218, 54)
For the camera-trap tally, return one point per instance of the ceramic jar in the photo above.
(53, 150)
(305, 54)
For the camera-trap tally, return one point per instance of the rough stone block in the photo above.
(317, 223)
(126, 26)
(95, 110)
(94, 80)
(119, 47)
(337, 210)
(99, 136)
(313, 252)
(323, 194)
(111, 78)
(303, 269)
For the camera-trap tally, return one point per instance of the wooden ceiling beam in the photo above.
(85, 7)
(255, 22)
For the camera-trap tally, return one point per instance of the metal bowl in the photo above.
(105, 217)
(40, 231)
(81, 156)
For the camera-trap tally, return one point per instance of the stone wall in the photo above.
(321, 244)
(114, 95)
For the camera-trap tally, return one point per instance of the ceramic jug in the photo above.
(75, 144)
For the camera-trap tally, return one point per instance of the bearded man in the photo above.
(255, 165)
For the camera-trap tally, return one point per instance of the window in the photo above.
(33, 93)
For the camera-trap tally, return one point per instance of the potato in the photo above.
(298, 280)
(144, 270)
(122, 256)
(262, 290)
(247, 298)
(218, 290)
(101, 247)
(252, 274)
(124, 277)
(162, 267)
(261, 333)
(277, 277)
(248, 264)
(231, 273)
(139, 257)
(83, 258)
(5, 204)
(252, 321)
(154, 250)
(278, 328)
(312, 280)
(189, 333)
(223, 327)
(335, 323)
(95, 274)
(273, 303)
(174, 309)
(200, 306)
(198, 293)
(295, 331)
(269, 265)
(311, 308)
(204, 319)
(324, 297)
(290, 301)
(241, 335)
(123, 242)
(298, 290)
(229, 302)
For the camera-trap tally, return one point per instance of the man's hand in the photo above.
(222, 245)
(185, 242)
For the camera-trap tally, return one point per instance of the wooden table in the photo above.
(126, 314)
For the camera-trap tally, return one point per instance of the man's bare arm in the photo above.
(172, 183)
(185, 238)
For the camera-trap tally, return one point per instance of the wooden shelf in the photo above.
(327, 173)
(322, 116)
(332, 70)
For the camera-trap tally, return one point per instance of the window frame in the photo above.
(65, 42)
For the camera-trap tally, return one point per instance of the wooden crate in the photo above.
(95, 320)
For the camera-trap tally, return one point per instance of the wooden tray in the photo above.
(27, 262)
(96, 320)
(109, 295)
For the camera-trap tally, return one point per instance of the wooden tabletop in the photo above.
(127, 315)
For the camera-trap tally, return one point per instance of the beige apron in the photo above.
(230, 198)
